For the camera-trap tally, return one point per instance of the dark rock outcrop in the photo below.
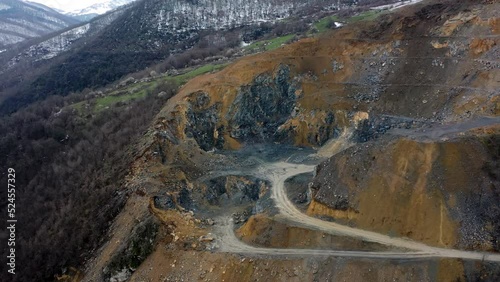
(261, 107)
(377, 126)
(138, 248)
(235, 190)
(164, 202)
(203, 121)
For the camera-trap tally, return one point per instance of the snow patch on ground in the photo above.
(60, 43)
(53, 46)
(183, 16)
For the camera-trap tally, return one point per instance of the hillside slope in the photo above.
(173, 34)
(444, 193)
(377, 86)
(436, 65)
(20, 21)
(96, 9)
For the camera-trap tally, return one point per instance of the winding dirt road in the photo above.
(277, 173)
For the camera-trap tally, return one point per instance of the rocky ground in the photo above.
(406, 94)
(442, 192)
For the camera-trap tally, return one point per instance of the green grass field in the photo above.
(140, 90)
(365, 16)
(321, 26)
(185, 77)
(270, 44)
(103, 102)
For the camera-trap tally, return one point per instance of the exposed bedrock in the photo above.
(262, 106)
(203, 122)
(264, 110)
(234, 190)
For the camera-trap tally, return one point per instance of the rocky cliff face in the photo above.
(261, 111)
(261, 108)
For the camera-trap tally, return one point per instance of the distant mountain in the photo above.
(175, 33)
(178, 16)
(24, 66)
(21, 20)
(97, 9)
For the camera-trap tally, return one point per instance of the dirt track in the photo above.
(278, 172)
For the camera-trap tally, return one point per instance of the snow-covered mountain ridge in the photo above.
(97, 9)
(160, 18)
(21, 20)
(53, 46)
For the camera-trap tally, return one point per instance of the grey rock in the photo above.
(261, 107)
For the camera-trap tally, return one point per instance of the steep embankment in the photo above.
(444, 193)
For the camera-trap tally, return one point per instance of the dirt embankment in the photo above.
(165, 265)
(444, 193)
(263, 231)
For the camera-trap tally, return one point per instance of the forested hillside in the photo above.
(70, 168)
